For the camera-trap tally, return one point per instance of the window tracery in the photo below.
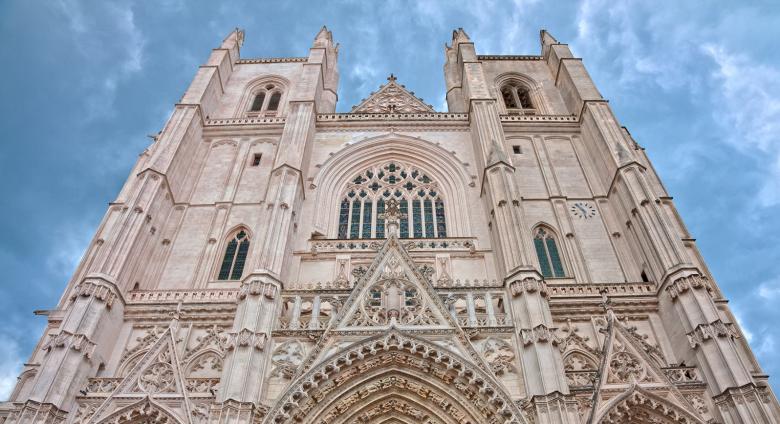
(266, 100)
(233, 261)
(517, 98)
(547, 252)
(421, 204)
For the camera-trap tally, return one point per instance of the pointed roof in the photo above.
(392, 97)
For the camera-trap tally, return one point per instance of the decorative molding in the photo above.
(539, 334)
(508, 57)
(689, 282)
(246, 337)
(528, 285)
(78, 342)
(257, 287)
(100, 290)
(253, 60)
(713, 330)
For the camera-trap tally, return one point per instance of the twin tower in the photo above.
(515, 259)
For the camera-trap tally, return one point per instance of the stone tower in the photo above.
(515, 259)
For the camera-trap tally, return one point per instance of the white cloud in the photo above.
(746, 103)
(11, 362)
(112, 49)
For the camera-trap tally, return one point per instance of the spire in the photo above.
(459, 36)
(323, 38)
(547, 41)
(234, 39)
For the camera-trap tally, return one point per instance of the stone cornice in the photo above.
(248, 61)
(508, 57)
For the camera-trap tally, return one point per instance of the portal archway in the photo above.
(434, 383)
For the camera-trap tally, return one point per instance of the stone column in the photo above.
(74, 351)
(543, 371)
(248, 343)
(738, 398)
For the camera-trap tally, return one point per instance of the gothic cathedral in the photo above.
(514, 260)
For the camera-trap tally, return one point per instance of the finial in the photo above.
(606, 303)
(391, 78)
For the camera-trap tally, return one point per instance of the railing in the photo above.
(445, 243)
(683, 375)
(533, 117)
(429, 116)
(246, 121)
(484, 320)
(612, 289)
(304, 323)
(187, 296)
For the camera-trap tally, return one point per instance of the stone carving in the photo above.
(77, 342)
(528, 285)
(625, 368)
(286, 358)
(690, 282)
(144, 341)
(247, 337)
(341, 276)
(215, 338)
(98, 289)
(256, 288)
(392, 98)
(539, 334)
(157, 378)
(390, 299)
(499, 355)
(712, 330)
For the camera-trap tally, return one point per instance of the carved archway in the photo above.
(637, 406)
(444, 387)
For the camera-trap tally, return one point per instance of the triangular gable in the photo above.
(626, 364)
(392, 257)
(156, 374)
(392, 98)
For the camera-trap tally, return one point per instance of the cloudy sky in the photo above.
(83, 83)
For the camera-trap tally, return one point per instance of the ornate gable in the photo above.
(392, 98)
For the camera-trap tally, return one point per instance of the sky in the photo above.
(82, 84)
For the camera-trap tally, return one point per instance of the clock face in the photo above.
(583, 210)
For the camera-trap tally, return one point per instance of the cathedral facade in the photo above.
(515, 259)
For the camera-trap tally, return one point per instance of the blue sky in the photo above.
(83, 83)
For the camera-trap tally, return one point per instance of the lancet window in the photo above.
(266, 100)
(547, 252)
(517, 98)
(421, 204)
(236, 249)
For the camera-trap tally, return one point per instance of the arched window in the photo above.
(517, 98)
(232, 267)
(266, 99)
(420, 203)
(547, 252)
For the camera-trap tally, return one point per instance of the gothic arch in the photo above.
(130, 362)
(226, 238)
(196, 362)
(538, 98)
(560, 247)
(638, 406)
(257, 84)
(442, 165)
(415, 367)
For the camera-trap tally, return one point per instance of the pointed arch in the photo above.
(638, 406)
(404, 362)
(233, 254)
(513, 83)
(271, 88)
(440, 164)
(198, 362)
(549, 251)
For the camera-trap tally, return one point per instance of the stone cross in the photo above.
(392, 214)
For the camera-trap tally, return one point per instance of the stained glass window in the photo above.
(441, 222)
(380, 222)
(233, 262)
(367, 206)
(417, 217)
(343, 219)
(354, 230)
(547, 252)
(368, 192)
